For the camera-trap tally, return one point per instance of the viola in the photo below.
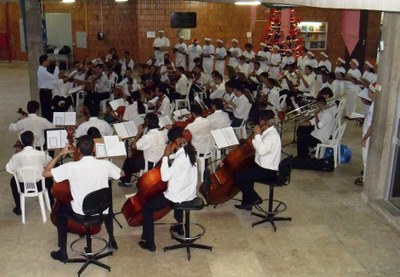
(148, 185)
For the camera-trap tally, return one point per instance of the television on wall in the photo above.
(183, 20)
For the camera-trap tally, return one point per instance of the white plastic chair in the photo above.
(185, 101)
(204, 153)
(29, 176)
(146, 160)
(334, 143)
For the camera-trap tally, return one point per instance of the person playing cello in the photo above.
(85, 176)
(267, 145)
(182, 183)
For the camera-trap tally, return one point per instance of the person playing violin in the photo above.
(85, 176)
(151, 141)
(267, 145)
(181, 176)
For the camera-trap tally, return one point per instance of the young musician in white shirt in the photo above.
(267, 145)
(94, 121)
(240, 105)
(199, 128)
(218, 119)
(181, 176)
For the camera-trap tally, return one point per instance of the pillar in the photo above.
(31, 9)
(380, 152)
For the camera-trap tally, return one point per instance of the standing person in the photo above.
(250, 56)
(311, 61)
(32, 122)
(181, 176)
(264, 56)
(161, 46)
(85, 176)
(287, 59)
(28, 157)
(275, 62)
(207, 53)
(194, 51)
(234, 53)
(220, 56)
(267, 145)
(181, 51)
(366, 132)
(352, 88)
(325, 62)
(45, 84)
(340, 73)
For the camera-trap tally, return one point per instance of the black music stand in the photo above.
(110, 209)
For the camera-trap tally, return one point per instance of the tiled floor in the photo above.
(333, 233)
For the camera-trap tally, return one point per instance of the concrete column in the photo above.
(34, 42)
(379, 156)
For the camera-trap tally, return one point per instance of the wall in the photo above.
(126, 24)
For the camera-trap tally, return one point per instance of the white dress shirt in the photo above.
(218, 120)
(180, 57)
(153, 144)
(218, 92)
(34, 123)
(199, 128)
(181, 177)
(159, 54)
(45, 79)
(208, 62)
(28, 157)
(243, 107)
(273, 98)
(266, 57)
(194, 52)
(325, 125)
(125, 64)
(268, 149)
(310, 79)
(287, 60)
(165, 108)
(85, 176)
(220, 55)
(104, 128)
(244, 68)
(182, 86)
(131, 111)
(125, 87)
(236, 52)
(102, 84)
(274, 65)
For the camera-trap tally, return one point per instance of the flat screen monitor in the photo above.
(183, 20)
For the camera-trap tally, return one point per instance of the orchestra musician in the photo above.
(101, 86)
(135, 109)
(61, 101)
(181, 86)
(162, 105)
(28, 157)
(84, 176)
(323, 122)
(240, 105)
(199, 128)
(94, 121)
(218, 118)
(269, 93)
(151, 141)
(128, 84)
(267, 145)
(32, 122)
(182, 178)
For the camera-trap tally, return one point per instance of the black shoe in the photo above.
(243, 207)
(17, 211)
(178, 229)
(112, 244)
(256, 202)
(60, 255)
(124, 185)
(144, 245)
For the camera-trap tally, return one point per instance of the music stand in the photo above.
(110, 209)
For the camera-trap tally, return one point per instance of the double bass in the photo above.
(149, 185)
(62, 196)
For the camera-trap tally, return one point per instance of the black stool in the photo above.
(93, 206)
(285, 168)
(186, 240)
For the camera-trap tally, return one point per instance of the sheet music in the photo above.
(180, 113)
(114, 147)
(64, 118)
(224, 137)
(75, 89)
(56, 138)
(117, 103)
(101, 150)
(164, 120)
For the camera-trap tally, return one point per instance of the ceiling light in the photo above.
(247, 3)
(121, 0)
(68, 1)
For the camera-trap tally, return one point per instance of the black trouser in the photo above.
(45, 96)
(157, 203)
(304, 131)
(236, 122)
(305, 142)
(62, 225)
(245, 181)
(61, 108)
(95, 97)
(14, 190)
(133, 165)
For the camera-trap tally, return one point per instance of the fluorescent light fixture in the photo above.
(68, 1)
(248, 3)
(121, 0)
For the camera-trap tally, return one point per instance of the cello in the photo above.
(148, 185)
(62, 196)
